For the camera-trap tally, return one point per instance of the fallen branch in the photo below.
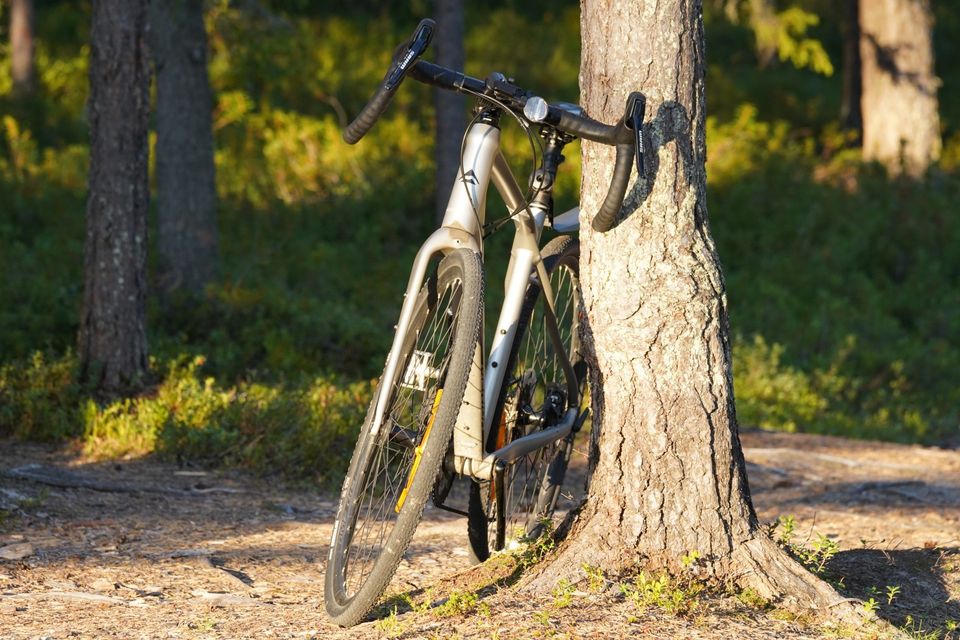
(71, 595)
(225, 599)
(56, 477)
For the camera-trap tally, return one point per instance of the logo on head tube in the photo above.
(469, 177)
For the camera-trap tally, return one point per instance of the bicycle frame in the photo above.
(462, 227)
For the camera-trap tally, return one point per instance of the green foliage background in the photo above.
(842, 282)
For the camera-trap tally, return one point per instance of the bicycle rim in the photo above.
(393, 470)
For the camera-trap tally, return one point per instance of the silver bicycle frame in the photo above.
(462, 227)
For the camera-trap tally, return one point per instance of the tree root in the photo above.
(759, 564)
(756, 563)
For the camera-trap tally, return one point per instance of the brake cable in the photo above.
(535, 146)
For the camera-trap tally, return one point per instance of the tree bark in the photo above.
(450, 106)
(186, 189)
(112, 342)
(850, 117)
(901, 124)
(21, 46)
(669, 475)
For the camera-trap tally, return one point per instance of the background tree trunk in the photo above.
(450, 106)
(186, 189)
(763, 21)
(670, 475)
(850, 117)
(901, 123)
(113, 343)
(21, 46)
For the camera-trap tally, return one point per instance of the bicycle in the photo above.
(440, 410)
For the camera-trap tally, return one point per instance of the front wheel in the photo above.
(534, 396)
(393, 470)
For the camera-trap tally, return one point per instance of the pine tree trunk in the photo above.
(21, 46)
(901, 124)
(449, 105)
(669, 475)
(850, 104)
(112, 343)
(186, 189)
(763, 21)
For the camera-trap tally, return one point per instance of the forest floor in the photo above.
(143, 549)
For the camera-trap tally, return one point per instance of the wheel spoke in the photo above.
(389, 467)
(535, 382)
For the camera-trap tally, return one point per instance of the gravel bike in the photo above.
(441, 409)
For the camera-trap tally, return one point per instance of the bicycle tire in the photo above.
(532, 484)
(391, 473)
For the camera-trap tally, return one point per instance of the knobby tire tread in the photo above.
(469, 323)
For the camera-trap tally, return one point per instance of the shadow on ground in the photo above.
(911, 587)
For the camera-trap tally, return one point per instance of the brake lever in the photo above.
(418, 44)
(636, 108)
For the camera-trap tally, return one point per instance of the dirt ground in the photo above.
(142, 549)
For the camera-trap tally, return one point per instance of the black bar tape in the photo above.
(437, 76)
(587, 128)
(607, 215)
(404, 57)
(368, 116)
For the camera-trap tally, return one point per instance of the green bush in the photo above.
(770, 394)
(847, 275)
(39, 398)
(300, 430)
(305, 430)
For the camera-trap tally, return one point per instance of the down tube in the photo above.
(524, 256)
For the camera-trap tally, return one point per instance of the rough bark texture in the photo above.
(901, 125)
(850, 104)
(670, 476)
(449, 105)
(21, 45)
(186, 190)
(113, 344)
